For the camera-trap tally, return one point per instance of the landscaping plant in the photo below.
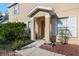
(13, 35)
(63, 35)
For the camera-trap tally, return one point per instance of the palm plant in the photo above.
(63, 35)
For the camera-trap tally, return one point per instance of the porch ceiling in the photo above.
(41, 8)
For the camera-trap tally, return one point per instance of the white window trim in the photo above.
(76, 25)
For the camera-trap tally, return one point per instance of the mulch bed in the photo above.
(67, 49)
(8, 53)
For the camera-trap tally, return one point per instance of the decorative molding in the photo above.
(41, 8)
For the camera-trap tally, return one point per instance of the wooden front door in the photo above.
(42, 29)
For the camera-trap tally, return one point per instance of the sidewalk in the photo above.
(34, 50)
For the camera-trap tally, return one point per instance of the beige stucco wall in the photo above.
(61, 10)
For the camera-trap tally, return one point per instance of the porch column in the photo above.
(32, 29)
(47, 28)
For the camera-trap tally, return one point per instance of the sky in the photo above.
(3, 7)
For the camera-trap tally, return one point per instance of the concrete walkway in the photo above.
(34, 50)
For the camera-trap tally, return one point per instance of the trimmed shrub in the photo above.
(14, 34)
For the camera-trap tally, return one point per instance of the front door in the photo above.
(40, 28)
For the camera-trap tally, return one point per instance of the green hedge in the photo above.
(13, 34)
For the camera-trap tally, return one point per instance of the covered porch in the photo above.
(41, 23)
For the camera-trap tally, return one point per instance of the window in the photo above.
(69, 23)
(61, 24)
(72, 25)
(29, 26)
(16, 9)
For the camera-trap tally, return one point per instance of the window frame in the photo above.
(29, 26)
(16, 9)
(69, 17)
(57, 22)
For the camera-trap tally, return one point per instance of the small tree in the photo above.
(6, 16)
(63, 35)
(1, 16)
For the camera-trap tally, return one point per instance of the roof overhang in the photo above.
(12, 4)
(41, 8)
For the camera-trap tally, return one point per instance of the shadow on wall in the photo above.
(63, 32)
(53, 38)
